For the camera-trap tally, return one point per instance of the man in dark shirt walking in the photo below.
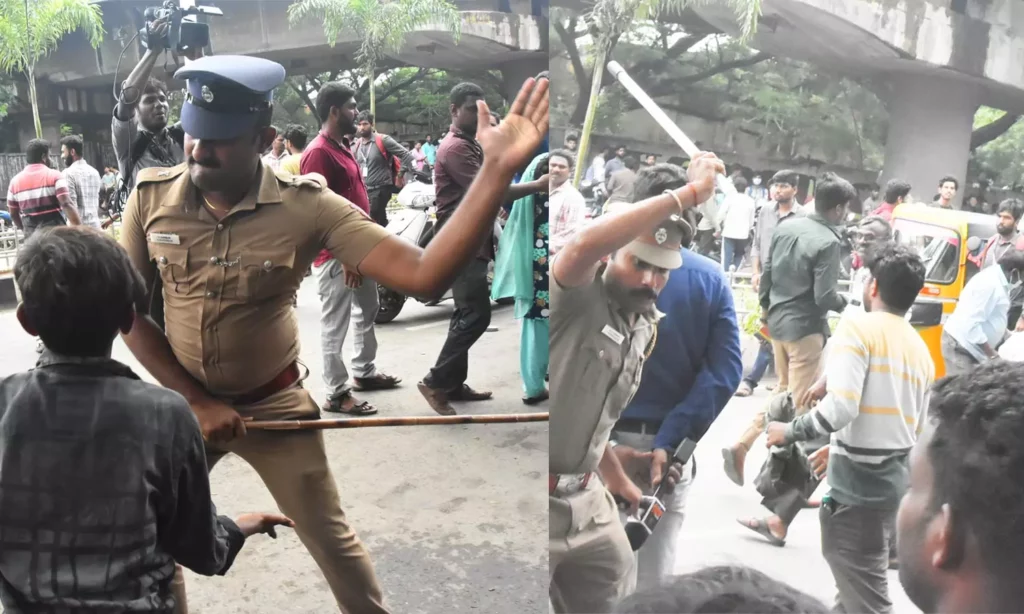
(799, 287)
(103, 481)
(459, 158)
(375, 153)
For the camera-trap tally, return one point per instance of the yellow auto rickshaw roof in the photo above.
(981, 225)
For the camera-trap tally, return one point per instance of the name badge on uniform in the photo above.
(164, 238)
(612, 334)
(364, 172)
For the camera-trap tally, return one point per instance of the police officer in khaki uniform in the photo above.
(231, 239)
(603, 325)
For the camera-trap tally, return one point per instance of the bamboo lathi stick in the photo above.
(355, 423)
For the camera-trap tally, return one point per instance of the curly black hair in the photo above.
(899, 272)
(977, 453)
(722, 589)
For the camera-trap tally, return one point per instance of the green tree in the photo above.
(1001, 160)
(608, 20)
(31, 29)
(382, 25)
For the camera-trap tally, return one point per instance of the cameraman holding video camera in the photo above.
(139, 130)
(141, 136)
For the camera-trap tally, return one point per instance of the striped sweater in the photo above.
(879, 376)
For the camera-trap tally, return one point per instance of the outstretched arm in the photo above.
(399, 265)
(578, 261)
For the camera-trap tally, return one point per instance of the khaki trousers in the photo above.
(590, 561)
(293, 465)
(798, 364)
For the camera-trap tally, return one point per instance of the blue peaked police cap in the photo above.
(225, 94)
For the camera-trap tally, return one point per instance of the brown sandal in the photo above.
(345, 403)
(377, 381)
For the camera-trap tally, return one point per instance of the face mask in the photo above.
(757, 181)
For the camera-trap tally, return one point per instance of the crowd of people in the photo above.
(646, 352)
(217, 233)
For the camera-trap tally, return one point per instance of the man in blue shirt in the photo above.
(687, 381)
(977, 326)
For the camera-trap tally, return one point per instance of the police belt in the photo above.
(284, 379)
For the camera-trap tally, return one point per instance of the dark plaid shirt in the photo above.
(103, 485)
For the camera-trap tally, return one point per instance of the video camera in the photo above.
(185, 32)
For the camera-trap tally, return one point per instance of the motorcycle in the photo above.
(415, 223)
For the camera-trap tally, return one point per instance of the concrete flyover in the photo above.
(935, 62)
(75, 81)
(491, 38)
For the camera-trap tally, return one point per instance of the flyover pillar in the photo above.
(930, 124)
(514, 73)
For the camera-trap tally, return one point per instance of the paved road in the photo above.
(454, 517)
(711, 535)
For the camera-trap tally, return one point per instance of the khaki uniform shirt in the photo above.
(228, 285)
(596, 356)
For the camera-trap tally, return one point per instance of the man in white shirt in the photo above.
(736, 221)
(977, 326)
(277, 152)
(566, 207)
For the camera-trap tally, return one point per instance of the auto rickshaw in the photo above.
(950, 243)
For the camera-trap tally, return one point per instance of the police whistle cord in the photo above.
(355, 423)
(663, 120)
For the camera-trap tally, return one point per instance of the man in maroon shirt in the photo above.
(459, 158)
(329, 155)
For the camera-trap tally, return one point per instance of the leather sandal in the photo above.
(377, 381)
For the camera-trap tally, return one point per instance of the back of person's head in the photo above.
(296, 135)
(332, 94)
(739, 182)
(463, 92)
(899, 273)
(1012, 206)
(832, 191)
(631, 163)
(36, 151)
(896, 189)
(723, 589)
(1012, 260)
(78, 289)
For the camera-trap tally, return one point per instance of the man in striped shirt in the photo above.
(879, 374)
(38, 195)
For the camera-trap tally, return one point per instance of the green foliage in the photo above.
(381, 25)
(29, 31)
(788, 106)
(1001, 160)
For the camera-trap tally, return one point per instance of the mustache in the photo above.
(206, 163)
(644, 293)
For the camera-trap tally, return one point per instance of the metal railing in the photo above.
(11, 240)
